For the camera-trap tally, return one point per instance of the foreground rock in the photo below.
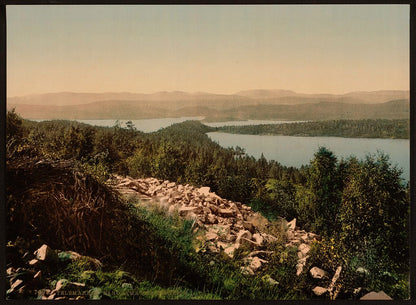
(29, 281)
(228, 225)
(381, 295)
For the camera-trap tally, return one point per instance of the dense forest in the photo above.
(394, 129)
(359, 207)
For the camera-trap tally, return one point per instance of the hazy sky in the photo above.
(219, 49)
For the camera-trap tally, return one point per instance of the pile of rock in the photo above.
(321, 274)
(29, 281)
(302, 240)
(228, 225)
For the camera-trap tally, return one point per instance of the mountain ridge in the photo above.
(278, 96)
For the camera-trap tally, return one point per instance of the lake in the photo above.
(248, 122)
(287, 150)
(145, 125)
(297, 151)
(151, 125)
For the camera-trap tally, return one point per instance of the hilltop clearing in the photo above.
(205, 213)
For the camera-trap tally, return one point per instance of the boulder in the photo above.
(184, 211)
(245, 241)
(230, 250)
(60, 284)
(212, 219)
(211, 235)
(258, 239)
(304, 249)
(291, 225)
(51, 296)
(214, 209)
(204, 190)
(301, 263)
(318, 273)
(226, 212)
(10, 271)
(64, 284)
(256, 263)
(244, 233)
(170, 185)
(35, 263)
(335, 278)
(231, 237)
(16, 284)
(290, 235)
(46, 254)
(381, 295)
(38, 275)
(319, 290)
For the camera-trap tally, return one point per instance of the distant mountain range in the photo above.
(249, 104)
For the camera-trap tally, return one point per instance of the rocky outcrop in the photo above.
(228, 225)
(29, 281)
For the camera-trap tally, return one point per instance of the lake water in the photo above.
(151, 125)
(145, 125)
(287, 150)
(248, 122)
(297, 151)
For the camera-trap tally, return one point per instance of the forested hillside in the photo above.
(393, 129)
(360, 208)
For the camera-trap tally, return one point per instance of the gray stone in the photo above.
(335, 278)
(241, 234)
(61, 284)
(258, 239)
(183, 211)
(304, 249)
(10, 271)
(319, 290)
(381, 295)
(16, 284)
(291, 225)
(204, 190)
(226, 212)
(45, 253)
(256, 263)
(318, 273)
(212, 219)
(231, 250)
(211, 235)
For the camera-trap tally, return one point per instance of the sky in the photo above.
(203, 48)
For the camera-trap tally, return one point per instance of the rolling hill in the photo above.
(251, 104)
